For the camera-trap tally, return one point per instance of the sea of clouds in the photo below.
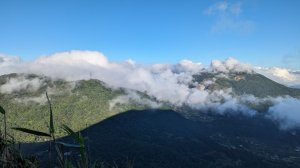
(168, 83)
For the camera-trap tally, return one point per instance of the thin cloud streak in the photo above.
(227, 18)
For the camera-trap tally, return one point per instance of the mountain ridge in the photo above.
(247, 83)
(85, 102)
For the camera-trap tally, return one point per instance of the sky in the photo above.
(261, 33)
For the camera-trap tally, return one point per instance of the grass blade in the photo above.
(33, 132)
(68, 130)
(51, 129)
(5, 127)
(76, 135)
(80, 140)
(68, 145)
(2, 110)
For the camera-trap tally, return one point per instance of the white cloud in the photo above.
(133, 98)
(187, 66)
(75, 58)
(286, 112)
(227, 17)
(21, 83)
(280, 75)
(228, 65)
(168, 83)
(6, 60)
(131, 62)
(165, 82)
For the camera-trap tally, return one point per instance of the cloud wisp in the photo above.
(228, 17)
(21, 83)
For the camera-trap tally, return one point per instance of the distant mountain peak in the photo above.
(245, 83)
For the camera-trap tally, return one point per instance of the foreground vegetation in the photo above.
(11, 157)
(76, 104)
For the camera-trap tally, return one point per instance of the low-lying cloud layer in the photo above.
(281, 75)
(286, 112)
(21, 83)
(165, 82)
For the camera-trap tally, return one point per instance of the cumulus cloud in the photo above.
(227, 17)
(132, 97)
(187, 66)
(166, 83)
(75, 58)
(280, 75)
(20, 83)
(222, 101)
(229, 65)
(286, 112)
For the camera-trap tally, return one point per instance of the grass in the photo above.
(11, 157)
(76, 104)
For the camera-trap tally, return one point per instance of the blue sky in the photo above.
(262, 33)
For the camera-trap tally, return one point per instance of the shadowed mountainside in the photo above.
(164, 138)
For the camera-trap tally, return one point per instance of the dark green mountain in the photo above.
(153, 138)
(77, 104)
(82, 103)
(246, 83)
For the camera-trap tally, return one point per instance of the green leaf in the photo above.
(68, 145)
(80, 140)
(33, 132)
(51, 129)
(2, 110)
(68, 130)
